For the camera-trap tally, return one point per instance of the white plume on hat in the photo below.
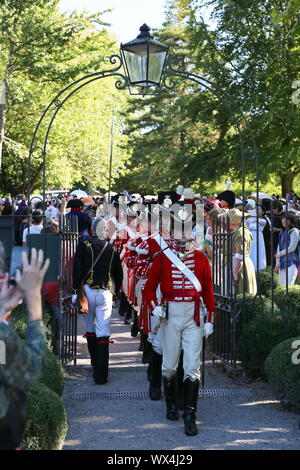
(188, 193)
(180, 190)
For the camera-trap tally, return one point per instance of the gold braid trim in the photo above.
(109, 285)
(89, 281)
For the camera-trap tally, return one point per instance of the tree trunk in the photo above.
(2, 116)
(287, 181)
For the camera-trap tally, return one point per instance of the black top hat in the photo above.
(227, 196)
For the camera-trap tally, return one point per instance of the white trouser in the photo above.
(181, 331)
(292, 275)
(100, 310)
(154, 338)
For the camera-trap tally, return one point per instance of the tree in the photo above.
(254, 47)
(41, 51)
(251, 50)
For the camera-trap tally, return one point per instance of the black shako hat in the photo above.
(227, 196)
(120, 198)
(167, 198)
(75, 203)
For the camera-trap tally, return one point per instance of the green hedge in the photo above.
(283, 374)
(261, 333)
(264, 281)
(250, 306)
(291, 302)
(19, 323)
(52, 373)
(46, 423)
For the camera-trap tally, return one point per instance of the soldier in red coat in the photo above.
(185, 281)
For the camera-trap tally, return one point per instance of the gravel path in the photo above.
(250, 419)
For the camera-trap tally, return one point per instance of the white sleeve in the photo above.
(262, 223)
(294, 239)
(25, 233)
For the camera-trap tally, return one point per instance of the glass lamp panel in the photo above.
(136, 60)
(157, 58)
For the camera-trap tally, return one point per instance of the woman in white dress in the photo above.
(252, 225)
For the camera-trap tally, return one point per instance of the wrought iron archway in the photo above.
(225, 303)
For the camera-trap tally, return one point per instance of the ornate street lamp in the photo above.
(144, 59)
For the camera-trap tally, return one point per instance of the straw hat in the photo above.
(236, 216)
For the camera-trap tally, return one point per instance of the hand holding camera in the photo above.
(28, 285)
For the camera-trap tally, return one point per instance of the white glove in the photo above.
(208, 329)
(158, 312)
(74, 298)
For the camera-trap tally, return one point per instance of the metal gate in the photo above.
(68, 234)
(224, 346)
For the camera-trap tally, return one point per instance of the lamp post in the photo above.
(144, 59)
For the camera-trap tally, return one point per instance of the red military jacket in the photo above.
(176, 287)
(146, 252)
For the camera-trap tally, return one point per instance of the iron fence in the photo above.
(57, 291)
(230, 307)
(68, 234)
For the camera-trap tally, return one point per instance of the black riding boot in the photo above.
(155, 375)
(134, 328)
(170, 396)
(146, 349)
(141, 346)
(122, 306)
(128, 314)
(190, 389)
(91, 344)
(179, 385)
(102, 355)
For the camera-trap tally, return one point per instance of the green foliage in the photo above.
(52, 373)
(19, 322)
(261, 334)
(283, 374)
(41, 52)
(46, 423)
(264, 281)
(187, 135)
(289, 302)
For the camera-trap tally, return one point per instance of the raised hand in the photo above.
(10, 296)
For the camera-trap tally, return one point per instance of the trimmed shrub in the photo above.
(252, 305)
(46, 423)
(52, 373)
(292, 300)
(283, 374)
(261, 334)
(19, 322)
(264, 281)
